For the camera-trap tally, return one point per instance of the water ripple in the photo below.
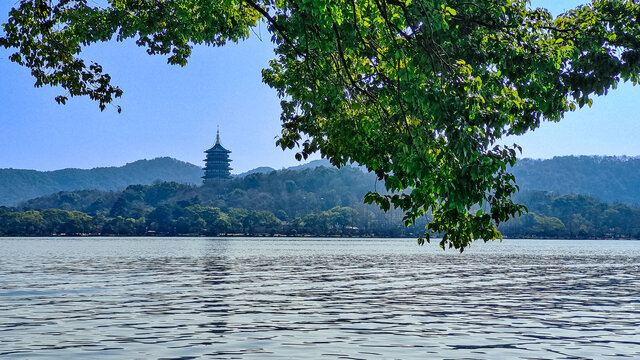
(341, 298)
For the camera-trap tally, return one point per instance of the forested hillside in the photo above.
(572, 216)
(612, 179)
(18, 185)
(320, 201)
(317, 201)
(608, 178)
(289, 193)
(314, 201)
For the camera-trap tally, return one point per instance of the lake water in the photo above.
(143, 298)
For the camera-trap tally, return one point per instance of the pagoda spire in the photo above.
(217, 163)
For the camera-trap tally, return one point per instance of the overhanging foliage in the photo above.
(417, 91)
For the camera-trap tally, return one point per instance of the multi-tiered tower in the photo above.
(217, 163)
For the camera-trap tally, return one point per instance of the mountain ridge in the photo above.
(608, 178)
(17, 185)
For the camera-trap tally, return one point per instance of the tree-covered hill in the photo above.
(320, 201)
(288, 193)
(572, 216)
(18, 185)
(315, 201)
(611, 179)
(608, 178)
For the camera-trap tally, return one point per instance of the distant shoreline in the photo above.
(235, 236)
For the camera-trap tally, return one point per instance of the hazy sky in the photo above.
(174, 111)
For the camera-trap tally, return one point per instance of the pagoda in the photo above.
(217, 163)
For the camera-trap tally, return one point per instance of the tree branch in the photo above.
(280, 29)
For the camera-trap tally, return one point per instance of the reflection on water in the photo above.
(347, 298)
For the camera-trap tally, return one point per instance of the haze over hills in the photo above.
(322, 201)
(608, 178)
(17, 185)
(612, 179)
(266, 169)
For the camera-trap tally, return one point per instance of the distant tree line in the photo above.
(319, 202)
(174, 220)
(573, 216)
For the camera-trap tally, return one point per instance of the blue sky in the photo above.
(174, 111)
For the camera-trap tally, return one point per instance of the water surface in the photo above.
(142, 298)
